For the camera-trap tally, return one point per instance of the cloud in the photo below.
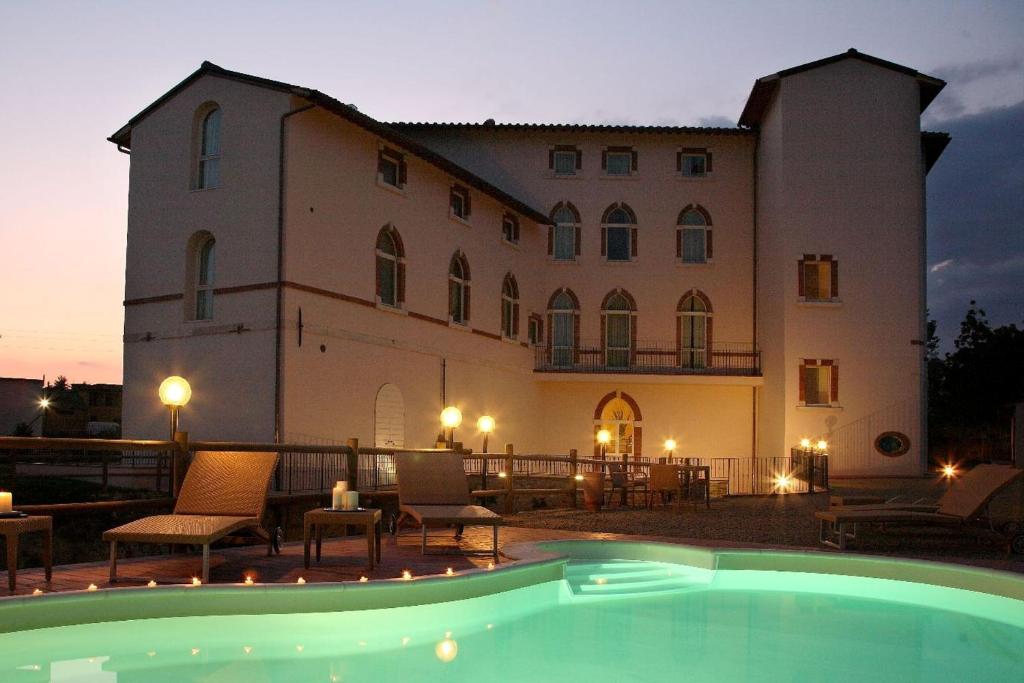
(717, 122)
(962, 74)
(976, 220)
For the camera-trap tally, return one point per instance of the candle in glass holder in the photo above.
(6, 501)
(351, 500)
(338, 495)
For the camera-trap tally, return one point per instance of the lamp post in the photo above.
(486, 425)
(451, 417)
(175, 392)
(603, 438)
(670, 447)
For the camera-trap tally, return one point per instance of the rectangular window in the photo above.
(693, 162)
(510, 229)
(534, 330)
(619, 163)
(817, 380)
(460, 202)
(618, 243)
(818, 278)
(693, 245)
(391, 167)
(565, 242)
(565, 162)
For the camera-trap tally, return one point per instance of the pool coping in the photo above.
(531, 564)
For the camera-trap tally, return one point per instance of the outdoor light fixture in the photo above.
(805, 444)
(486, 425)
(175, 392)
(451, 417)
(783, 482)
(604, 437)
(446, 650)
(44, 403)
(949, 471)
(822, 445)
(670, 447)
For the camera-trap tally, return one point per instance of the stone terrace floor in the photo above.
(344, 559)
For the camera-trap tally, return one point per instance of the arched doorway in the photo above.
(389, 418)
(620, 415)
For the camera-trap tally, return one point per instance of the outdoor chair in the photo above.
(627, 483)
(964, 506)
(223, 493)
(664, 480)
(433, 491)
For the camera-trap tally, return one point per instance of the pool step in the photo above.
(632, 578)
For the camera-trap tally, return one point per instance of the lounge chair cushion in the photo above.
(431, 479)
(227, 483)
(180, 529)
(882, 516)
(469, 515)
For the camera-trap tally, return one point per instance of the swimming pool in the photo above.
(616, 612)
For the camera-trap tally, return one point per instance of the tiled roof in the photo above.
(123, 137)
(570, 127)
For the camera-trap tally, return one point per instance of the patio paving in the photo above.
(344, 559)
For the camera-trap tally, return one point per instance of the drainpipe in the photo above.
(278, 355)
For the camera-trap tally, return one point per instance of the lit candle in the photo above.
(6, 501)
(338, 495)
(351, 500)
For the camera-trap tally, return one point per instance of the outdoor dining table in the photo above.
(691, 474)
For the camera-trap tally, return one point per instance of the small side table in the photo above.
(316, 520)
(12, 528)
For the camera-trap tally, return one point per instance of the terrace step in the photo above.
(632, 578)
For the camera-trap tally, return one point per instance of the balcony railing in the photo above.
(651, 358)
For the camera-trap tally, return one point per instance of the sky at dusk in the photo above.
(73, 73)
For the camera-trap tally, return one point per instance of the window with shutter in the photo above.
(391, 167)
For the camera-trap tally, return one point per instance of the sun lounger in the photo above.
(962, 506)
(223, 493)
(433, 491)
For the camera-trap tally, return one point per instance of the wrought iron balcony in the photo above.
(651, 358)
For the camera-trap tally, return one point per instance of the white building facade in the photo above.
(319, 275)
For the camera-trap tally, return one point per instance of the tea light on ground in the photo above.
(248, 581)
(92, 587)
(406, 575)
(363, 579)
(151, 584)
(449, 572)
(196, 581)
(37, 591)
(301, 581)
(490, 566)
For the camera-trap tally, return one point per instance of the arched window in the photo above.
(693, 235)
(618, 328)
(564, 235)
(458, 290)
(564, 325)
(693, 330)
(389, 418)
(509, 307)
(618, 233)
(390, 268)
(200, 276)
(209, 151)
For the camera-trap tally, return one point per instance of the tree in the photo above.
(972, 388)
(22, 429)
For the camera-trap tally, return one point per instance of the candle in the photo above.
(351, 500)
(338, 495)
(6, 501)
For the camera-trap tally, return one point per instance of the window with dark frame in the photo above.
(619, 161)
(693, 162)
(391, 167)
(819, 382)
(565, 160)
(460, 205)
(618, 235)
(535, 329)
(818, 278)
(510, 228)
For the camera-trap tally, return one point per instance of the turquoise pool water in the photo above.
(607, 621)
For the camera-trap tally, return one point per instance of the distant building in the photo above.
(87, 410)
(318, 274)
(19, 403)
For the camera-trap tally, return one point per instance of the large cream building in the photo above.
(317, 274)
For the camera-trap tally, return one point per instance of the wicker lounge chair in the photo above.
(433, 491)
(223, 493)
(963, 505)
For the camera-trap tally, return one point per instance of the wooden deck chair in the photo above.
(433, 491)
(962, 506)
(664, 479)
(223, 493)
